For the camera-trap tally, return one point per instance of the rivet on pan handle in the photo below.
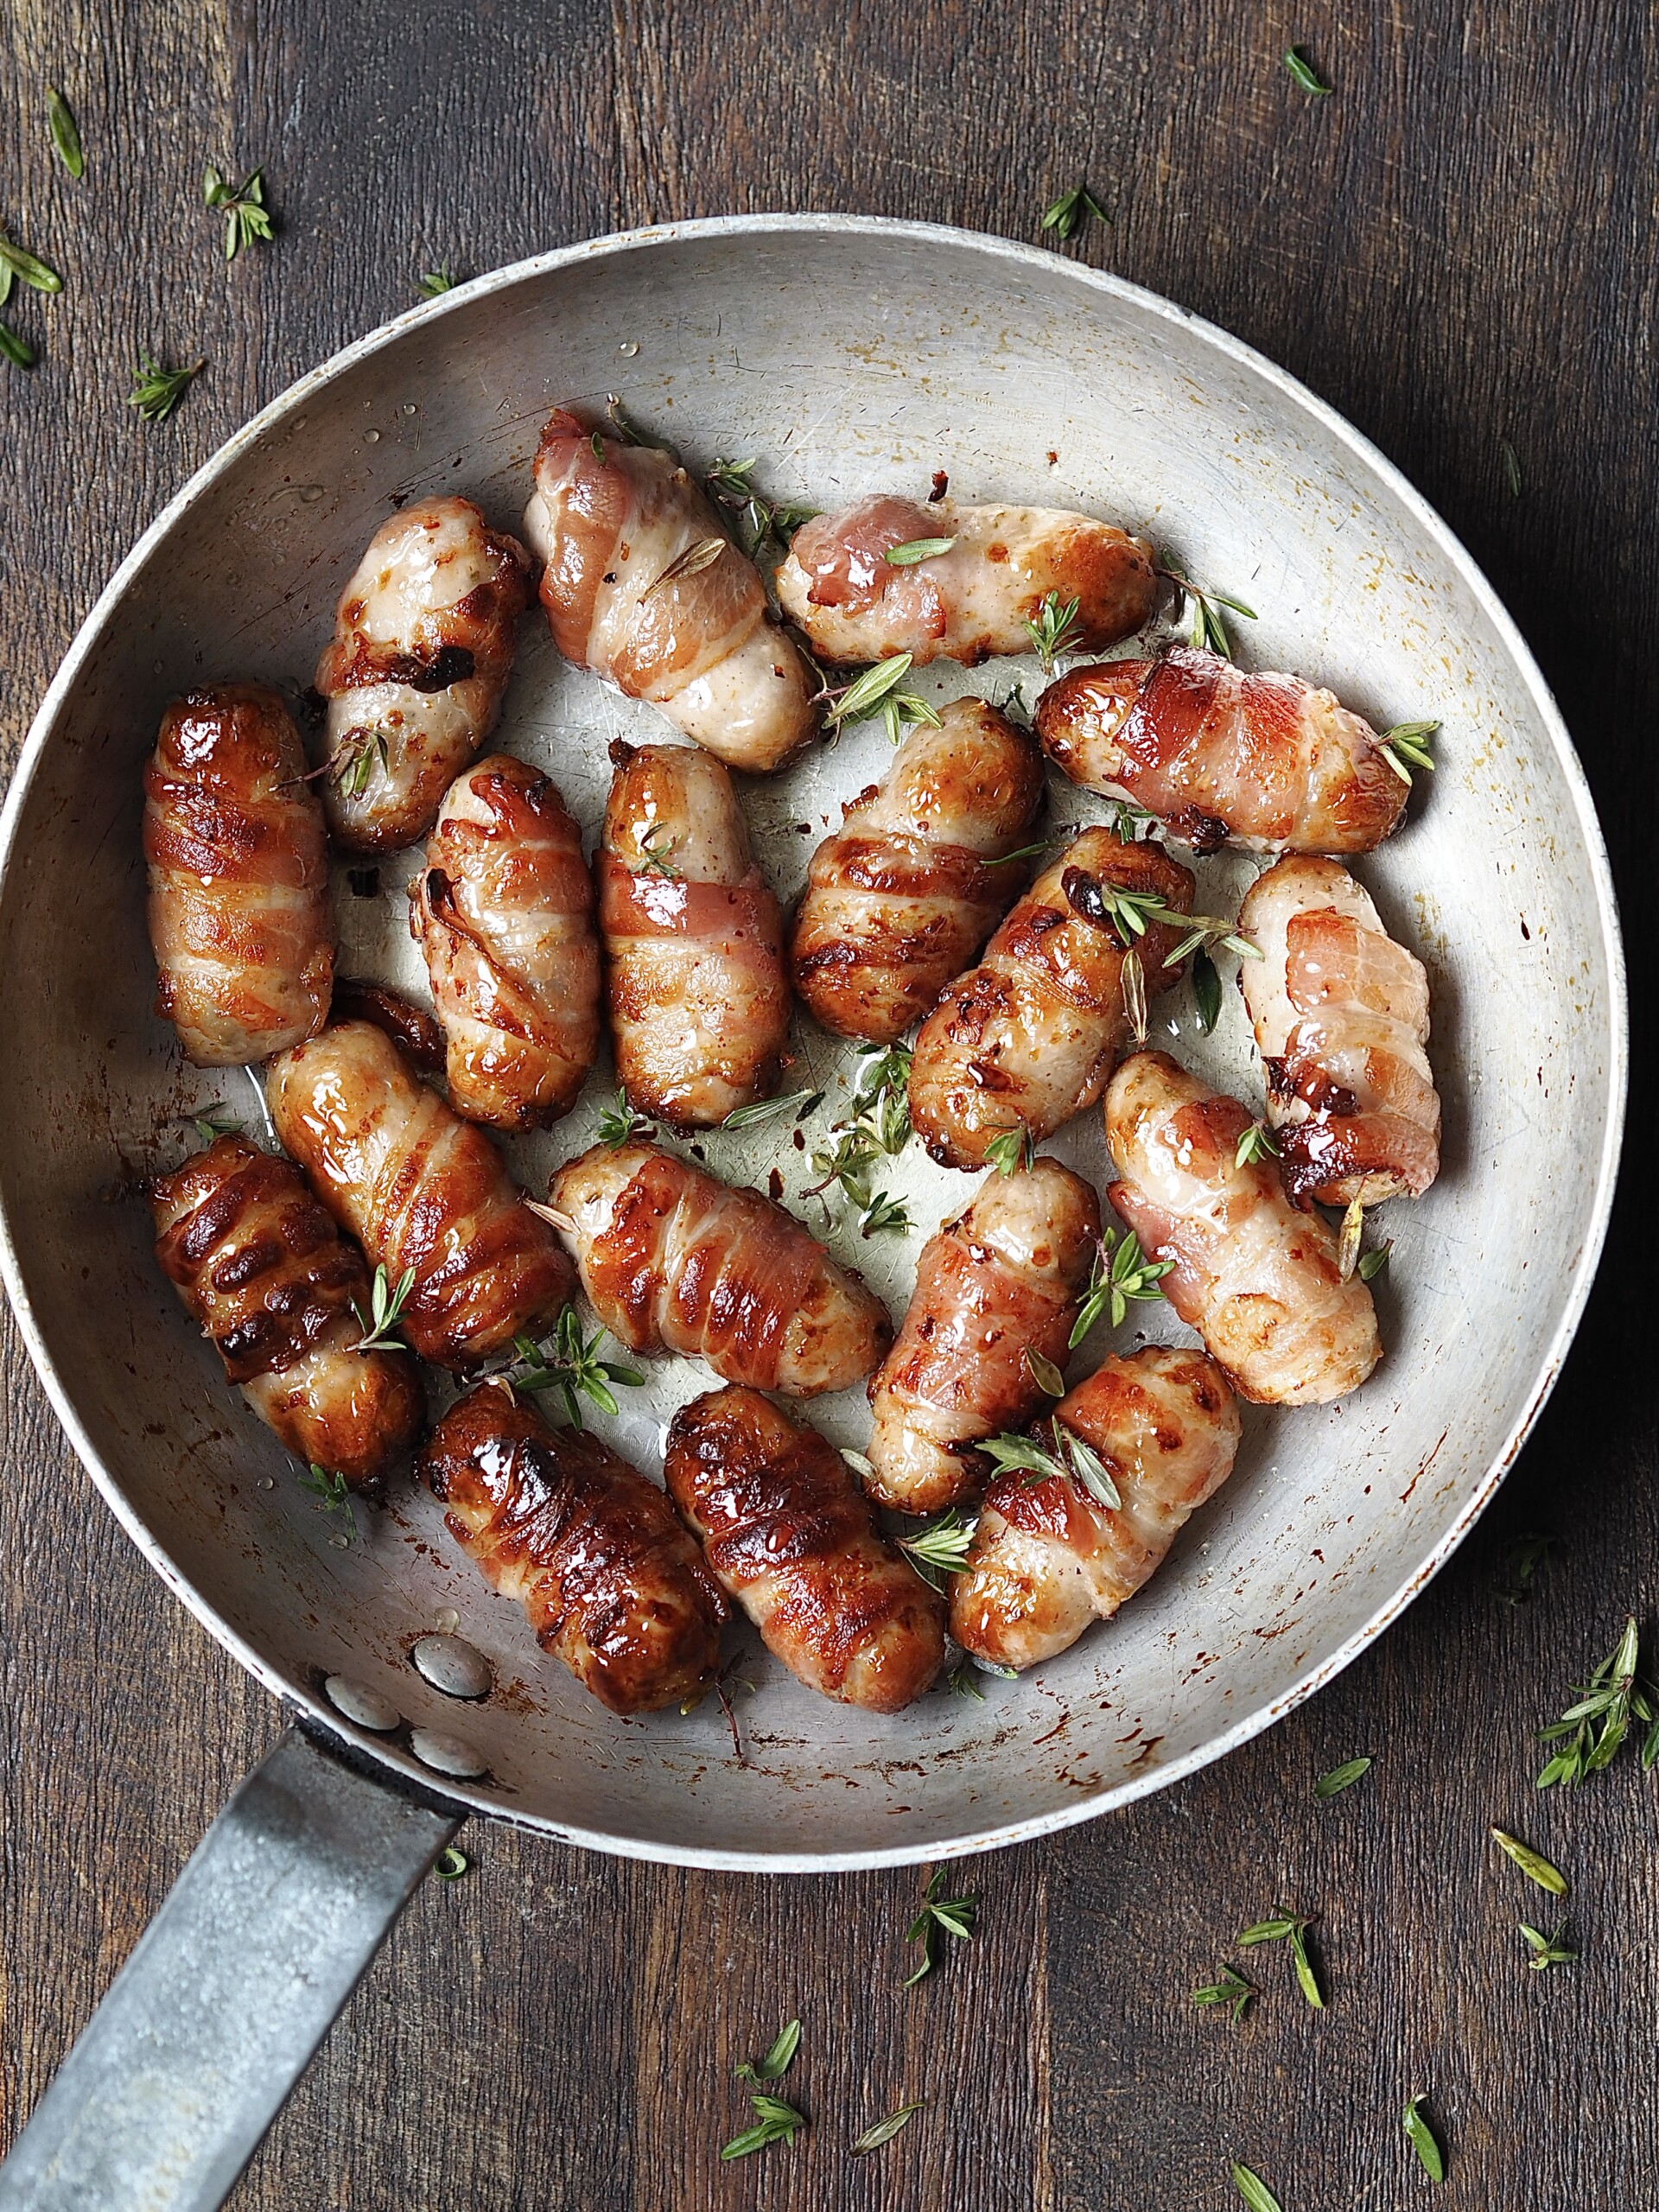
(233, 1984)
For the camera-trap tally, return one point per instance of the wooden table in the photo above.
(1455, 249)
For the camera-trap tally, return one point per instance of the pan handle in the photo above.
(233, 1985)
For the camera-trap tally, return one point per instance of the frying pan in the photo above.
(843, 353)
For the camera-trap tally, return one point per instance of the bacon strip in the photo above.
(786, 1529)
(610, 1582)
(1267, 762)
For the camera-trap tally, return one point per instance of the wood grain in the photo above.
(1456, 249)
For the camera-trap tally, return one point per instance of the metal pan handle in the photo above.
(233, 1984)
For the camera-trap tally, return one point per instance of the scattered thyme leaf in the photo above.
(692, 563)
(1420, 2136)
(939, 1915)
(1340, 1778)
(1228, 1988)
(157, 391)
(216, 1121)
(861, 1466)
(66, 136)
(1132, 978)
(1064, 216)
(1292, 1927)
(800, 1103)
(1527, 1554)
(1206, 989)
(1044, 1373)
(1254, 2190)
(1532, 1864)
(331, 1494)
(246, 217)
(884, 2130)
(775, 2122)
(919, 550)
(1303, 74)
(33, 270)
(1371, 1264)
(1548, 1950)
(436, 282)
(779, 2057)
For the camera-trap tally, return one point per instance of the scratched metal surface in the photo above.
(1007, 369)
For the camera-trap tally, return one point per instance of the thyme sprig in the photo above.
(568, 1363)
(1228, 1988)
(1209, 632)
(157, 391)
(656, 845)
(1011, 1151)
(1065, 215)
(436, 282)
(885, 1213)
(353, 760)
(1065, 1456)
(1120, 1273)
(1294, 1927)
(941, 1547)
(331, 1494)
(878, 692)
(775, 2122)
(246, 217)
(1406, 746)
(1546, 1950)
(939, 1915)
(878, 1127)
(66, 135)
(1051, 631)
(620, 1123)
(798, 1102)
(1593, 1726)
(215, 1121)
(1127, 914)
(757, 522)
(1257, 1142)
(379, 1324)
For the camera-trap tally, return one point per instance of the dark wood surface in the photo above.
(1455, 249)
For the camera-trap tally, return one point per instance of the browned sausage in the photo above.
(262, 1268)
(419, 1189)
(239, 877)
(610, 1582)
(784, 1527)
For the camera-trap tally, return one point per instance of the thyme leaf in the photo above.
(939, 1915)
(1546, 1950)
(919, 550)
(33, 270)
(692, 563)
(1206, 989)
(1532, 1864)
(1228, 1988)
(436, 282)
(1406, 746)
(1420, 2136)
(619, 1124)
(157, 391)
(66, 137)
(1044, 1373)
(779, 2057)
(1254, 2190)
(884, 2130)
(1011, 1151)
(1063, 216)
(801, 1103)
(1303, 75)
(1257, 1143)
(1340, 1778)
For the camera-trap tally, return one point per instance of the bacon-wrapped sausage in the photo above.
(698, 1000)
(782, 1525)
(1341, 1017)
(1258, 1280)
(611, 1582)
(238, 877)
(674, 1260)
(1267, 762)
(975, 600)
(901, 897)
(262, 1268)
(1005, 1279)
(642, 586)
(1047, 1558)
(504, 912)
(1029, 1038)
(419, 1189)
(411, 1027)
(421, 654)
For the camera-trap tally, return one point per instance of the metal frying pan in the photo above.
(845, 354)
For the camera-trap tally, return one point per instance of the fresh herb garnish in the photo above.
(1593, 1726)
(1293, 1926)
(756, 519)
(1209, 632)
(1065, 1456)
(1011, 1151)
(33, 270)
(656, 845)
(1206, 989)
(1228, 1988)
(692, 563)
(800, 1103)
(66, 137)
(877, 692)
(1127, 914)
(216, 1121)
(1120, 1273)
(1527, 1554)
(1050, 633)
(436, 282)
(1406, 746)
(1128, 822)
(157, 391)
(385, 1305)
(625, 430)
(331, 1494)
(779, 2058)
(952, 1916)
(619, 1124)
(450, 1864)
(1546, 1950)
(1020, 853)
(354, 760)
(1353, 1227)
(861, 1466)
(246, 217)
(1254, 2190)
(917, 550)
(15, 349)
(879, 1126)
(1064, 215)
(1132, 979)
(1340, 1778)
(568, 1363)
(1420, 2136)
(1532, 1864)
(940, 1547)
(884, 2130)
(1044, 1373)
(1303, 74)
(885, 1213)
(960, 1682)
(775, 2122)
(1257, 1143)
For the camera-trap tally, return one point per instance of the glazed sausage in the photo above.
(238, 877)
(1259, 1281)
(1047, 1558)
(698, 1000)
(975, 600)
(1030, 1036)
(419, 1189)
(782, 1525)
(262, 1268)
(411, 1027)
(414, 677)
(674, 1260)
(1006, 1279)
(902, 896)
(613, 522)
(1221, 758)
(1340, 1013)
(610, 1582)
(504, 912)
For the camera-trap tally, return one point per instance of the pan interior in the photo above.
(845, 357)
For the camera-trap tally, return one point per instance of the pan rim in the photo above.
(1106, 284)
